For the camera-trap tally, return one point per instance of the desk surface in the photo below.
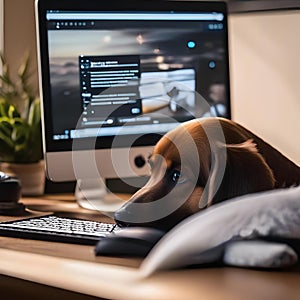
(75, 268)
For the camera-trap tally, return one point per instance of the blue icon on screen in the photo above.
(135, 110)
(212, 64)
(191, 44)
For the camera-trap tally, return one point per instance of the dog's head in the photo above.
(193, 166)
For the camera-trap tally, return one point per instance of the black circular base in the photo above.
(17, 210)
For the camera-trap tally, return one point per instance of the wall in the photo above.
(265, 76)
(19, 33)
(265, 68)
(1, 26)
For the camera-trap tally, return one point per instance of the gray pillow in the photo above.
(208, 235)
(259, 254)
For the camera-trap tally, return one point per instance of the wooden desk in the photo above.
(46, 270)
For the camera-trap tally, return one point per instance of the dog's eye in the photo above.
(176, 176)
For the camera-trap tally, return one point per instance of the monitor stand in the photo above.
(93, 194)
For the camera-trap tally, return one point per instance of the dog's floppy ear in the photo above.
(245, 172)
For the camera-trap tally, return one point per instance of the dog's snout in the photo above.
(130, 215)
(122, 217)
(121, 223)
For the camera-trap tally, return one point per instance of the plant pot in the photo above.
(31, 175)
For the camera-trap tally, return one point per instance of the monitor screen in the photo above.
(119, 74)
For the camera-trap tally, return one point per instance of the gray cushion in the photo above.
(206, 236)
(259, 254)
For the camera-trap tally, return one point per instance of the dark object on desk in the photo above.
(10, 193)
(133, 241)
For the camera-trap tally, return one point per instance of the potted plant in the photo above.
(20, 129)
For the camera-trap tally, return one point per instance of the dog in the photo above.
(200, 163)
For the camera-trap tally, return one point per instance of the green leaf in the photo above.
(20, 135)
(20, 116)
(4, 107)
(12, 112)
(6, 142)
(24, 67)
(34, 116)
(5, 126)
(8, 110)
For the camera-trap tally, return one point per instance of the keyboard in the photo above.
(58, 229)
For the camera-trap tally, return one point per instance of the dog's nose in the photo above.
(122, 217)
(130, 215)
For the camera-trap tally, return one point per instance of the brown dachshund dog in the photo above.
(200, 163)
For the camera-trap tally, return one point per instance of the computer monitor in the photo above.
(116, 75)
